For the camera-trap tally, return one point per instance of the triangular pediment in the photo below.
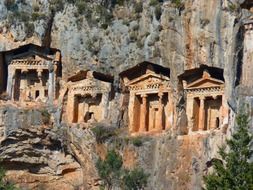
(91, 82)
(147, 79)
(205, 83)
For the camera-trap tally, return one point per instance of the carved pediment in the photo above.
(205, 83)
(90, 85)
(148, 78)
(149, 81)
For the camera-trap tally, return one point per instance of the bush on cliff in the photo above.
(135, 179)
(112, 173)
(5, 185)
(103, 133)
(235, 171)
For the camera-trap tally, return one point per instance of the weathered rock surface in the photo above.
(33, 153)
(181, 37)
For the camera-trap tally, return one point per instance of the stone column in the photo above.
(105, 104)
(55, 80)
(42, 89)
(70, 107)
(23, 86)
(131, 113)
(224, 112)
(86, 109)
(159, 126)
(143, 113)
(39, 71)
(10, 82)
(189, 112)
(80, 107)
(170, 119)
(51, 82)
(202, 113)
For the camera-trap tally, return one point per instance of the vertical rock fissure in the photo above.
(46, 41)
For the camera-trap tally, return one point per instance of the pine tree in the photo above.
(234, 172)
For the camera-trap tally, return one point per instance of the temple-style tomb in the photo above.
(206, 106)
(89, 93)
(150, 106)
(33, 73)
(247, 66)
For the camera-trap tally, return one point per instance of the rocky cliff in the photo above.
(111, 36)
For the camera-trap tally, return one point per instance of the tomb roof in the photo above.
(247, 4)
(140, 69)
(83, 74)
(29, 49)
(196, 73)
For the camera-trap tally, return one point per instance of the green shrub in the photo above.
(71, 1)
(147, 34)
(109, 169)
(112, 173)
(232, 7)
(178, 3)
(158, 12)
(102, 133)
(133, 36)
(24, 16)
(125, 22)
(5, 185)
(36, 8)
(56, 5)
(38, 16)
(138, 7)
(139, 43)
(153, 2)
(105, 16)
(45, 116)
(81, 7)
(9, 4)
(119, 2)
(29, 29)
(104, 26)
(135, 179)
(137, 141)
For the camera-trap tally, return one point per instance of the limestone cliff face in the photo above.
(180, 36)
(177, 35)
(33, 152)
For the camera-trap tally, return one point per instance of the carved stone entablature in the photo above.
(87, 89)
(205, 91)
(89, 86)
(158, 87)
(81, 92)
(29, 62)
(25, 64)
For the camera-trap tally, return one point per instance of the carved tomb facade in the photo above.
(206, 106)
(150, 106)
(33, 72)
(88, 97)
(247, 66)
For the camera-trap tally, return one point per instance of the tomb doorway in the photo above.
(212, 112)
